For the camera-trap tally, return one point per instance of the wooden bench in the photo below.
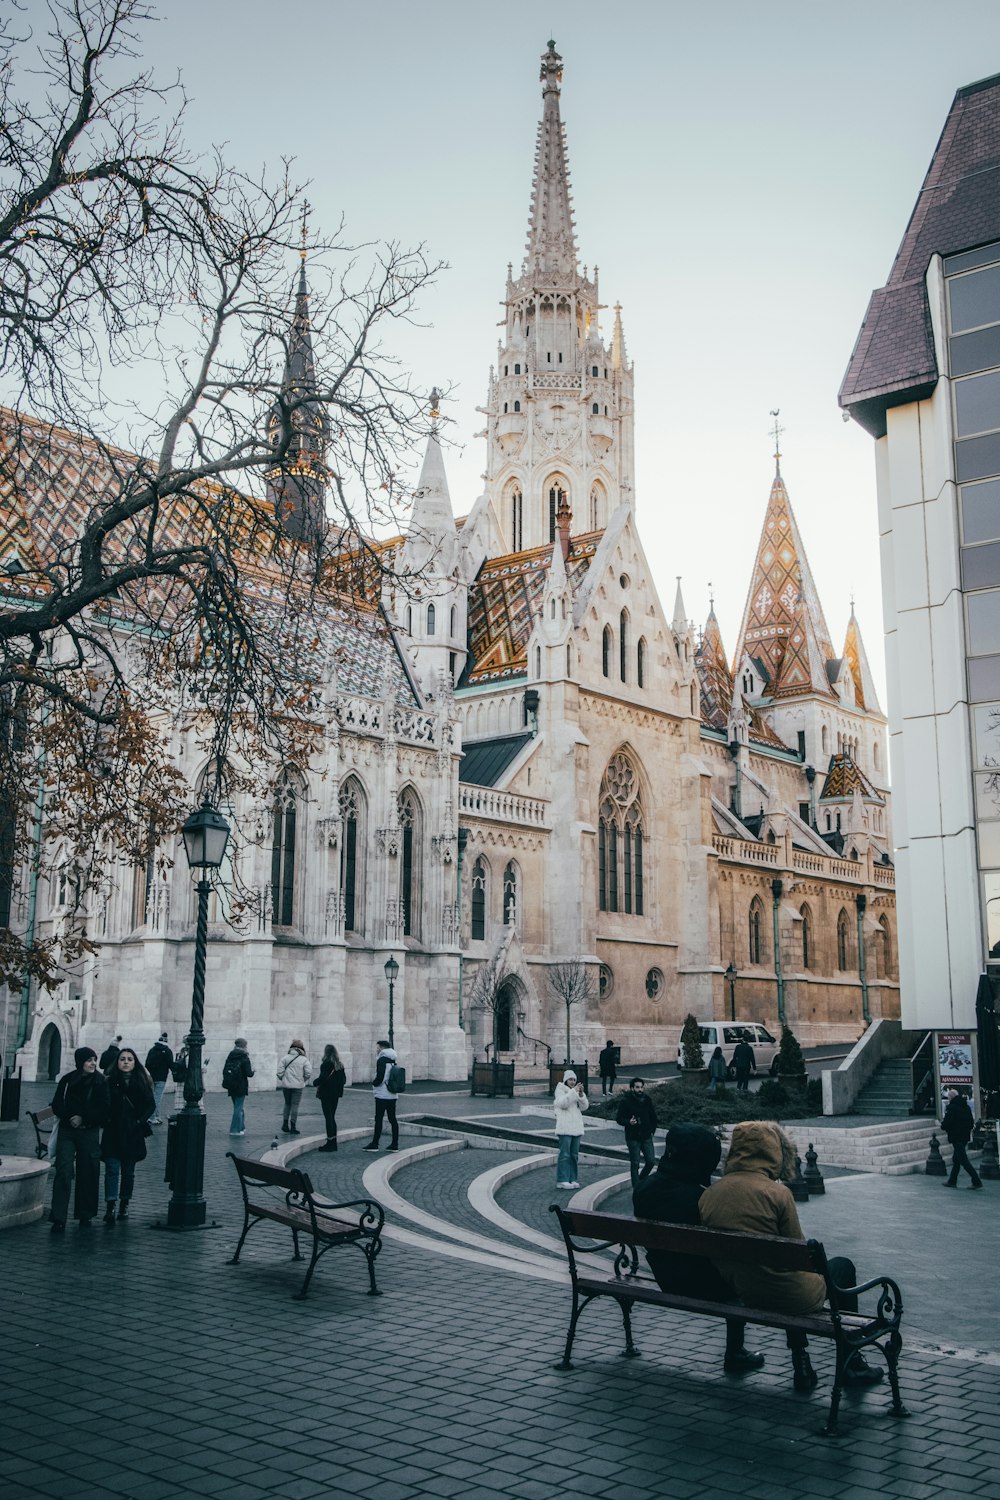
(43, 1121)
(587, 1233)
(292, 1202)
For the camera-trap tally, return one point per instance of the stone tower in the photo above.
(300, 430)
(560, 405)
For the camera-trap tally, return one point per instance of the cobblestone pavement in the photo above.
(140, 1365)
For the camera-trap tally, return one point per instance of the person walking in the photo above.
(385, 1099)
(330, 1091)
(570, 1102)
(717, 1070)
(110, 1055)
(236, 1074)
(638, 1115)
(159, 1060)
(294, 1073)
(607, 1068)
(81, 1106)
(957, 1123)
(130, 1106)
(744, 1063)
(691, 1154)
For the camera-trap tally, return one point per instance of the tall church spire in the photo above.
(551, 244)
(857, 659)
(299, 427)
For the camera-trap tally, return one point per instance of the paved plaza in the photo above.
(139, 1364)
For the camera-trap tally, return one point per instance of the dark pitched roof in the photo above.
(485, 761)
(844, 777)
(958, 208)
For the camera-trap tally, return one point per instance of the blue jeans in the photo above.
(648, 1151)
(569, 1158)
(238, 1123)
(114, 1169)
(158, 1088)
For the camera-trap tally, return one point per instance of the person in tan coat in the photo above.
(752, 1197)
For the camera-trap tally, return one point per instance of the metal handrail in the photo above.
(536, 1042)
(922, 1078)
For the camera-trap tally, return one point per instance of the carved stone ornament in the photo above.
(443, 845)
(328, 830)
(387, 840)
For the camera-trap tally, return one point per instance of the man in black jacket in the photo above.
(957, 1124)
(690, 1155)
(158, 1061)
(81, 1106)
(637, 1114)
(744, 1063)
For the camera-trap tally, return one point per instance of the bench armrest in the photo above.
(889, 1309)
(371, 1215)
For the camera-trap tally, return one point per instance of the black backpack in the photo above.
(232, 1073)
(395, 1080)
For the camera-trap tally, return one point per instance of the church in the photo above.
(533, 769)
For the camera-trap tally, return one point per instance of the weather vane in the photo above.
(306, 208)
(435, 401)
(776, 432)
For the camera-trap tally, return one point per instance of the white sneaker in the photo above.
(572, 1184)
(564, 1185)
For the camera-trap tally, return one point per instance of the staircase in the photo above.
(895, 1148)
(889, 1092)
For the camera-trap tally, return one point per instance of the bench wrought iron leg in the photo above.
(239, 1246)
(295, 1242)
(831, 1429)
(300, 1296)
(892, 1351)
(564, 1363)
(630, 1351)
(370, 1252)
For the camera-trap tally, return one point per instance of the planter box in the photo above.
(556, 1071)
(24, 1190)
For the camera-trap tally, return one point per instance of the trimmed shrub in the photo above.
(694, 1057)
(791, 1065)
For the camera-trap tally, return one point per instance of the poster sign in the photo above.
(955, 1062)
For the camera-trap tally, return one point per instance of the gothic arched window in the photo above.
(479, 878)
(557, 492)
(620, 838)
(283, 850)
(352, 812)
(516, 521)
(623, 645)
(607, 645)
(409, 866)
(510, 895)
(431, 619)
(755, 929)
(843, 941)
(807, 943)
(640, 663)
(882, 949)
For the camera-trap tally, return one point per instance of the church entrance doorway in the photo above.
(50, 1053)
(507, 1015)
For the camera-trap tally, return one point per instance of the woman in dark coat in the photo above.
(330, 1091)
(130, 1091)
(81, 1107)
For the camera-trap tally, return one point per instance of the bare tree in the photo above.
(196, 458)
(574, 985)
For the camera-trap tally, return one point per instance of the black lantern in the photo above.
(205, 834)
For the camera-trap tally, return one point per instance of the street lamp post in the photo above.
(732, 974)
(205, 834)
(391, 970)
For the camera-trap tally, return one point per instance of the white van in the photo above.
(726, 1034)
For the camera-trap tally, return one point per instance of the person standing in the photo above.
(159, 1059)
(110, 1055)
(717, 1070)
(744, 1063)
(81, 1106)
(130, 1105)
(638, 1115)
(606, 1067)
(236, 1074)
(385, 1099)
(958, 1124)
(330, 1091)
(294, 1073)
(570, 1104)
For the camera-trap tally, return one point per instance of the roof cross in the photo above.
(776, 432)
(303, 233)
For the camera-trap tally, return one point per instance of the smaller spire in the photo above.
(619, 358)
(679, 621)
(857, 660)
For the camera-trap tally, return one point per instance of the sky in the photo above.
(742, 174)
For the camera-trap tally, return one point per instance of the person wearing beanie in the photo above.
(159, 1060)
(691, 1154)
(237, 1071)
(570, 1103)
(81, 1107)
(130, 1104)
(958, 1124)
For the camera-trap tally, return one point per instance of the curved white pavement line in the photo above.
(587, 1199)
(482, 1195)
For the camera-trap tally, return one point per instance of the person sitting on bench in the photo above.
(671, 1193)
(751, 1197)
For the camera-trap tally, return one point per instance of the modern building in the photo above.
(536, 767)
(924, 381)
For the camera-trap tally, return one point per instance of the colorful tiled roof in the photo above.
(782, 596)
(844, 777)
(503, 603)
(714, 676)
(857, 659)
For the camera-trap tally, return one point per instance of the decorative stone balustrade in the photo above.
(484, 802)
(856, 871)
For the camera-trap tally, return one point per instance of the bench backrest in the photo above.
(40, 1116)
(688, 1239)
(262, 1174)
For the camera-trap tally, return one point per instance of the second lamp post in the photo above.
(391, 970)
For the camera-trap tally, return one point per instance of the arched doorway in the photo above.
(506, 1016)
(50, 1053)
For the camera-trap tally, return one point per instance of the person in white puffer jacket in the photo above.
(570, 1103)
(385, 1099)
(294, 1073)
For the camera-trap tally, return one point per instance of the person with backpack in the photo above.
(294, 1072)
(387, 1073)
(236, 1074)
(329, 1091)
(159, 1066)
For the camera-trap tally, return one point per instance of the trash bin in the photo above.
(10, 1100)
(556, 1071)
(168, 1169)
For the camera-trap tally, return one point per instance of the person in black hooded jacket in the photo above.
(690, 1155)
(130, 1097)
(81, 1106)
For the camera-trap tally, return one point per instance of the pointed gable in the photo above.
(714, 676)
(782, 597)
(857, 660)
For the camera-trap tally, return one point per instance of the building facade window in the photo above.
(283, 851)
(623, 645)
(607, 646)
(640, 663)
(516, 521)
(755, 923)
(352, 843)
(410, 824)
(479, 882)
(621, 839)
(806, 937)
(843, 942)
(510, 895)
(431, 619)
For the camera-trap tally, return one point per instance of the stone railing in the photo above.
(857, 871)
(885, 875)
(743, 850)
(368, 716)
(508, 807)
